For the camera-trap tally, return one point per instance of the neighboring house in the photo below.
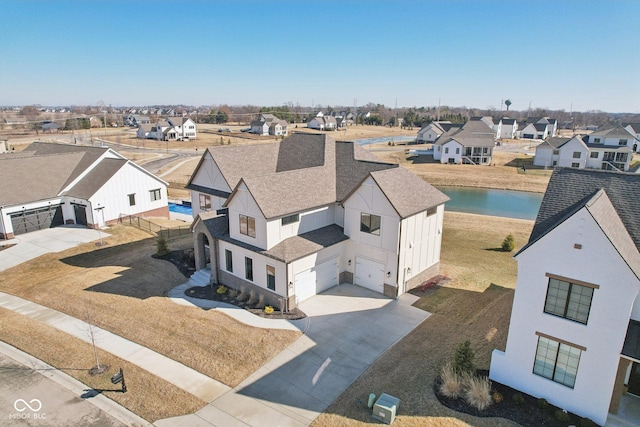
(574, 334)
(84, 185)
(576, 153)
(539, 128)
(634, 128)
(143, 131)
(135, 120)
(287, 220)
(430, 132)
(473, 143)
(616, 136)
(323, 122)
(268, 124)
(508, 128)
(185, 127)
(4, 147)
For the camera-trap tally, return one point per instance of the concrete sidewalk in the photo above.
(31, 245)
(174, 372)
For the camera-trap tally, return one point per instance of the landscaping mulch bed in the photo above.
(210, 293)
(184, 261)
(529, 413)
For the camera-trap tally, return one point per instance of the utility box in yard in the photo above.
(385, 408)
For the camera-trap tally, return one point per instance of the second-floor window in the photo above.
(576, 154)
(556, 152)
(622, 142)
(594, 155)
(205, 202)
(370, 223)
(569, 300)
(247, 225)
(155, 195)
(132, 199)
(596, 140)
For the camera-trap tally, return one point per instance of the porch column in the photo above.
(618, 386)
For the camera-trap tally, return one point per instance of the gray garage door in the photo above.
(36, 219)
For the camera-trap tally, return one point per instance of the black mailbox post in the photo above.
(119, 378)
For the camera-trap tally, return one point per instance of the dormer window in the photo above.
(247, 225)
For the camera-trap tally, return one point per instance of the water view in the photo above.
(511, 204)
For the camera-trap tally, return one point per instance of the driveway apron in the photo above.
(349, 328)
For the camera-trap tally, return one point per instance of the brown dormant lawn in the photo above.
(475, 305)
(147, 395)
(123, 289)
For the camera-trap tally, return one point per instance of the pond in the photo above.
(367, 141)
(482, 201)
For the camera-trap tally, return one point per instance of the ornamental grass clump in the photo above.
(269, 309)
(451, 383)
(478, 392)
(222, 289)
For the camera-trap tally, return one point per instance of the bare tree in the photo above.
(92, 333)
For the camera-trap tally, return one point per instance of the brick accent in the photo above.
(423, 276)
(6, 236)
(390, 291)
(346, 277)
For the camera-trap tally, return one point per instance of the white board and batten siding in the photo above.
(370, 250)
(243, 203)
(208, 175)
(307, 221)
(114, 195)
(420, 244)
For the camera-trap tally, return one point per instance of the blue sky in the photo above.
(552, 54)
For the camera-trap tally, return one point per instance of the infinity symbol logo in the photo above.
(24, 405)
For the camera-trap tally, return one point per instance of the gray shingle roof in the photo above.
(23, 179)
(408, 193)
(571, 189)
(613, 132)
(96, 178)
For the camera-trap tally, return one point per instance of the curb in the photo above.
(107, 405)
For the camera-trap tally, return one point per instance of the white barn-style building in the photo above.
(89, 186)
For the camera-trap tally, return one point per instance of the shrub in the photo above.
(478, 392)
(561, 416)
(518, 399)
(162, 246)
(509, 243)
(222, 289)
(497, 397)
(451, 385)
(463, 358)
(268, 309)
(542, 403)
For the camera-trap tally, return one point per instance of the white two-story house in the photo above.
(473, 143)
(288, 220)
(574, 334)
(616, 136)
(576, 153)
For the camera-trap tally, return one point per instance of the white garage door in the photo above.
(316, 280)
(370, 274)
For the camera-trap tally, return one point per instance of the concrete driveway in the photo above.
(349, 328)
(32, 245)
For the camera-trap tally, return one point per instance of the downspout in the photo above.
(398, 265)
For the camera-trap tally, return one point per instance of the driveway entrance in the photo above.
(348, 328)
